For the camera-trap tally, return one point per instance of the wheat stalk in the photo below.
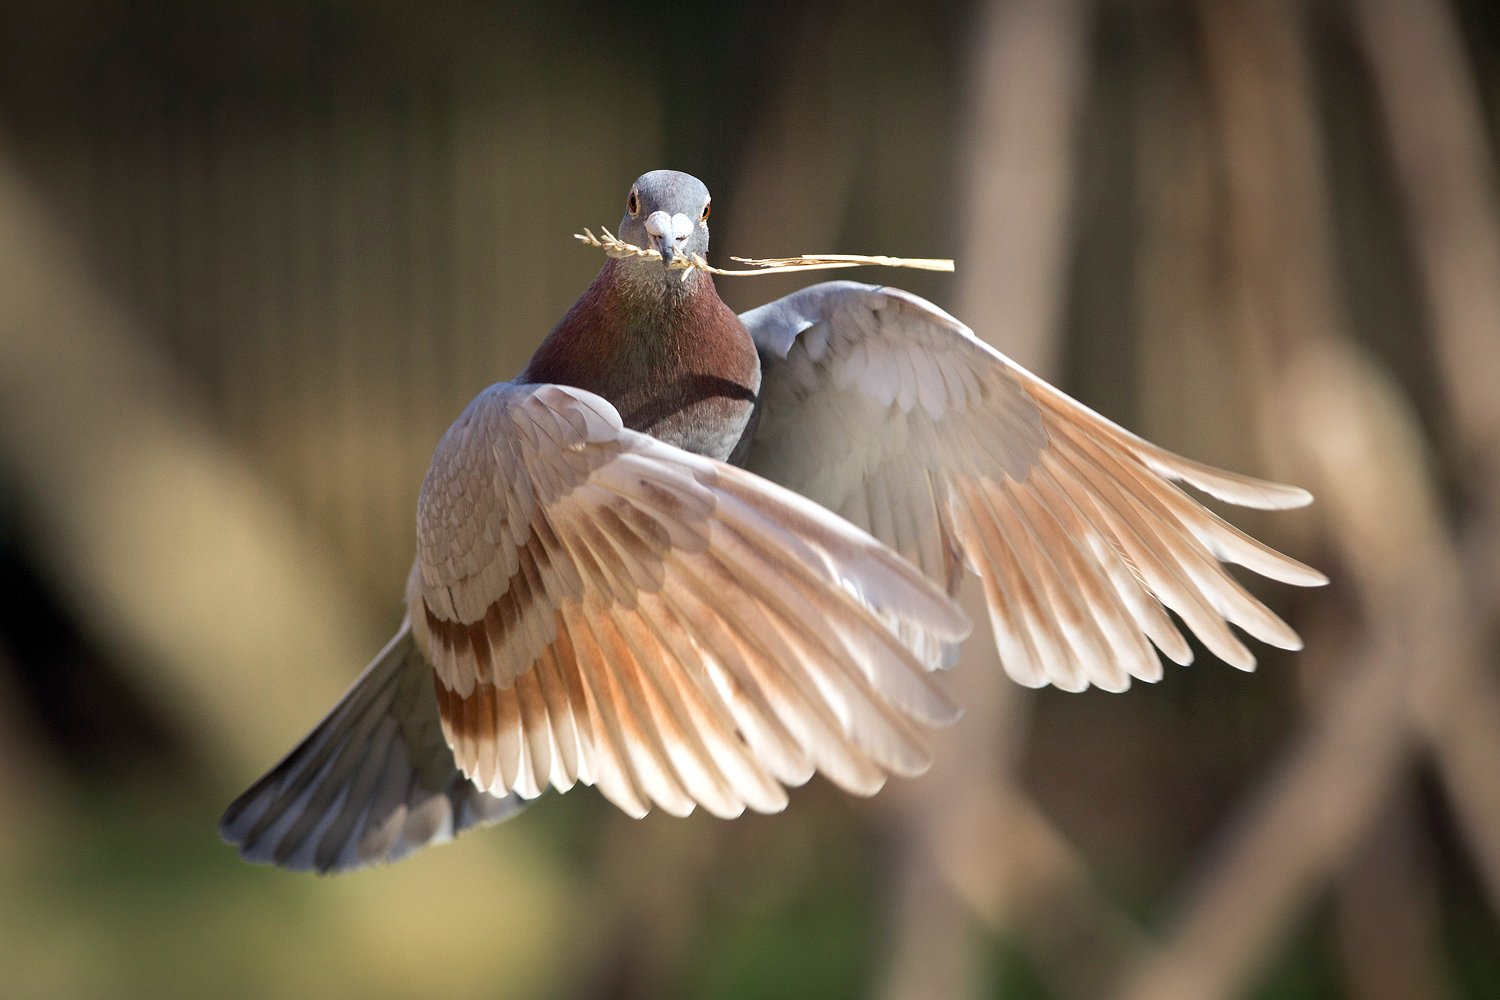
(616, 247)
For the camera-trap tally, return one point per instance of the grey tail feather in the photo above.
(373, 782)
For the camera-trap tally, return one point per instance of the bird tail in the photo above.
(373, 782)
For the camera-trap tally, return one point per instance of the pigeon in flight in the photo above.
(691, 558)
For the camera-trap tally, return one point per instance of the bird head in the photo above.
(666, 211)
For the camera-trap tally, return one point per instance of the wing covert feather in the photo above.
(599, 606)
(890, 412)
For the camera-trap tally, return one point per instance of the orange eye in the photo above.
(704, 216)
(633, 203)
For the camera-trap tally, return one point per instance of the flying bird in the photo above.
(691, 558)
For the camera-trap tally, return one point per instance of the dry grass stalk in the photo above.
(613, 246)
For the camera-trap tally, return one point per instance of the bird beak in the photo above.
(665, 232)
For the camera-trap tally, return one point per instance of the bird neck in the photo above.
(649, 343)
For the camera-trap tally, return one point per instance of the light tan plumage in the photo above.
(605, 600)
(889, 411)
(665, 626)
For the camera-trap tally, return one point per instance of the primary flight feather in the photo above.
(691, 558)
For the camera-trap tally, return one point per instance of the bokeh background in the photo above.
(255, 257)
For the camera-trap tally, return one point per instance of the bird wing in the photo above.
(373, 782)
(602, 607)
(887, 410)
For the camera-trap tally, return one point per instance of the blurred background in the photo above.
(255, 257)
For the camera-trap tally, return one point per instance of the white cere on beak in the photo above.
(665, 232)
(668, 227)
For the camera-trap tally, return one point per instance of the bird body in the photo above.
(668, 354)
(598, 596)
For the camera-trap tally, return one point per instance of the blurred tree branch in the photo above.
(969, 822)
(1416, 670)
(175, 555)
(1450, 190)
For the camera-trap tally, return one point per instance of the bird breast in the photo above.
(683, 370)
(699, 412)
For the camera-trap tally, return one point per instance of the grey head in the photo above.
(666, 211)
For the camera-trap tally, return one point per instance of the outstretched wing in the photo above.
(887, 410)
(603, 607)
(373, 782)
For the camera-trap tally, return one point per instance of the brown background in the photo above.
(253, 259)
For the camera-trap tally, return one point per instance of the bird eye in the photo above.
(633, 203)
(704, 216)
